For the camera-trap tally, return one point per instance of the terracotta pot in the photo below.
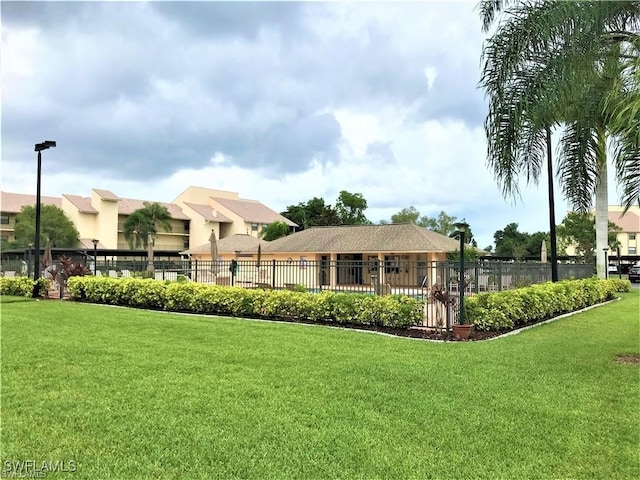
(462, 332)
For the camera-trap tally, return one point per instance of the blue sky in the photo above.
(280, 102)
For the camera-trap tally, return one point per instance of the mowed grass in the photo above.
(133, 394)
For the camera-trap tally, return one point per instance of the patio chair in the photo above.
(126, 273)
(10, 274)
(113, 274)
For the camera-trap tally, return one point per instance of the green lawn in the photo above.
(130, 394)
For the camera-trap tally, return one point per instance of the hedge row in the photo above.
(22, 286)
(343, 308)
(513, 308)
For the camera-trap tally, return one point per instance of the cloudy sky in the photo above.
(280, 102)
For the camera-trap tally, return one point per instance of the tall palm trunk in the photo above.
(602, 206)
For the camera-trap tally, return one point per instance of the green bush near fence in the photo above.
(342, 308)
(514, 308)
(487, 311)
(22, 286)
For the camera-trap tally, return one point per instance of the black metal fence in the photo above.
(415, 279)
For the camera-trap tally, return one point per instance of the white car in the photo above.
(612, 268)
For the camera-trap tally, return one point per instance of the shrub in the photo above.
(504, 310)
(390, 311)
(22, 286)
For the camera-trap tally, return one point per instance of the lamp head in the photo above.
(44, 145)
(462, 227)
(95, 242)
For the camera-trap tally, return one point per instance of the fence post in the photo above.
(195, 275)
(273, 273)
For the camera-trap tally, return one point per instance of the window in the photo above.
(254, 227)
(632, 236)
(4, 219)
(186, 225)
(186, 243)
(632, 250)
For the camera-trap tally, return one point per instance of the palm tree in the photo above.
(558, 64)
(143, 224)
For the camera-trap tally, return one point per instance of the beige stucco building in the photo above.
(194, 214)
(629, 236)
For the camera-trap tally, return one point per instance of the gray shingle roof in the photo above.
(208, 212)
(13, 202)
(253, 211)
(126, 206)
(392, 238)
(83, 204)
(629, 222)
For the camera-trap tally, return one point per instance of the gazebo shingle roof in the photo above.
(391, 238)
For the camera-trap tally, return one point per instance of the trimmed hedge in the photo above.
(22, 286)
(514, 308)
(342, 308)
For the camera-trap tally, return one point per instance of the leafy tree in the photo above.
(407, 215)
(145, 222)
(510, 242)
(556, 63)
(534, 243)
(274, 231)
(351, 207)
(471, 255)
(578, 229)
(54, 225)
(312, 213)
(443, 223)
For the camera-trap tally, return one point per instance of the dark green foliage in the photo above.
(274, 231)
(349, 210)
(145, 222)
(351, 207)
(312, 213)
(54, 225)
(578, 229)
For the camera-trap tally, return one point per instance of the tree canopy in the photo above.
(510, 242)
(578, 229)
(349, 210)
(572, 65)
(442, 223)
(274, 231)
(54, 225)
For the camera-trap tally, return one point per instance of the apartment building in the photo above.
(194, 214)
(629, 237)
(10, 206)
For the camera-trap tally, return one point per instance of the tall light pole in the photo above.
(95, 255)
(36, 273)
(462, 228)
(606, 262)
(552, 212)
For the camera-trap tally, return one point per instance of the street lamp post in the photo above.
(95, 256)
(606, 262)
(462, 228)
(36, 265)
(619, 267)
